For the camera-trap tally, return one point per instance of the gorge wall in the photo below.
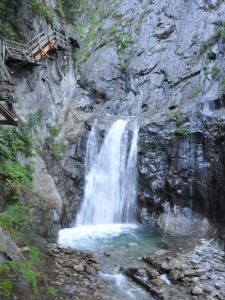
(160, 62)
(164, 64)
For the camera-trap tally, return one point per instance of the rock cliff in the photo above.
(160, 62)
(164, 64)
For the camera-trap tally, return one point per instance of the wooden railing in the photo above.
(29, 52)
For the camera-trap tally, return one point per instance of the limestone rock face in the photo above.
(170, 78)
(164, 66)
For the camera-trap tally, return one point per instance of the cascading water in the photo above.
(109, 201)
(106, 220)
(110, 190)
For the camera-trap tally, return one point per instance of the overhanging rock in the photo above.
(9, 247)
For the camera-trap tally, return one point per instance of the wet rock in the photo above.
(132, 244)
(207, 288)
(160, 252)
(165, 267)
(194, 279)
(107, 253)
(200, 272)
(173, 275)
(189, 273)
(218, 285)
(152, 274)
(196, 291)
(221, 297)
(157, 282)
(78, 268)
(141, 272)
(184, 267)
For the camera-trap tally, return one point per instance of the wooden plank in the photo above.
(4, 86)
(8, 115)
(4, 96)
(148, 259)
(5, 122)
(43, 51)
(147, 287)
(6, 72)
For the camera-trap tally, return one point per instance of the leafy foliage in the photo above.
(13, 175)
(9, 23)
(6, 288)
(181, 131)
(9, 20)
(15, 219)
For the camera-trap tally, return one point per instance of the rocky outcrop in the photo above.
(160, 62)
(77, 269)
(163, 63)
(9, 247)
(199, 271)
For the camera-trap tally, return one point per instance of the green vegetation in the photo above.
(14, 176)
(54, 131)
(58, 148)
(146, 145)
(6, 288)
(195, 92)
(87, 33)
(10, 22)
(51, 290)
(141, 18)
(72, 9)
(15, 219)
(123, 67)
(215, 71)
(181, 131)
(223, 82)
(180, 118)
(43, 10)
(157, 148)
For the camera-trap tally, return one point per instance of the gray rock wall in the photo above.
(162, 62)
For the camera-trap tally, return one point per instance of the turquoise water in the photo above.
(127, 244)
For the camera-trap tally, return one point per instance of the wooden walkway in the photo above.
(27, 54)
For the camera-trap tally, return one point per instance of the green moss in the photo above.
(215, 71)
(146, 145)
(51, 290)
(34, 252)
(14, 176)
(123, 67)
(90, 29)
(223, 35)
(195, 92)
(223, 82)
(181, 132)
(57, 150)
(180, 118)
(6, 288)
(54, 131)
(157, 148)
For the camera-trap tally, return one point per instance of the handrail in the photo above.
(36, 37)
(30, 49)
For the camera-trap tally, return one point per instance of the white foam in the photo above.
(121, 283)
(69, 236)
(165, 279)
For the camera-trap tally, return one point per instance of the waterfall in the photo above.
(110, 189)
